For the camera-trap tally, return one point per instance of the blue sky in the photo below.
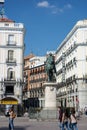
(47, 22)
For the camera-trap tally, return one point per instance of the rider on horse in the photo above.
(50, 67)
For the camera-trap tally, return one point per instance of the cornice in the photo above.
(11, 29)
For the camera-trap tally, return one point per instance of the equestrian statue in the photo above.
(50, 68)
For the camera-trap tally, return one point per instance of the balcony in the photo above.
(9, 81)
(8, 93)
(11, 43)
(60, 94)
(11, 61)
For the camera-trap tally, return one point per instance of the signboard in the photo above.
(5, 102)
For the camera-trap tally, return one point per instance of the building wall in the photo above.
(37, 76)
(27, 76)
(71, 67)
(11, 59)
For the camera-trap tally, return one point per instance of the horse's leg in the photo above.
(50, 75)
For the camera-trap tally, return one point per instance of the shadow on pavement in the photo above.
(16, 128)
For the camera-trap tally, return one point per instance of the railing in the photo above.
(10, 62)
(11, 43)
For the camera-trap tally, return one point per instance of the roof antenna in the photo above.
(2, 11)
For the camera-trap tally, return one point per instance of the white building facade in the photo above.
(71, 66)
(11, 61)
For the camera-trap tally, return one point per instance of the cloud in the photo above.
(43, 4)
(54, 8)
(68, 6)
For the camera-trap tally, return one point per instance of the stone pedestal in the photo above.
(50, 95)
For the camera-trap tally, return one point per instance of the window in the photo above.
(6, 24)
(9, 89)
(10, 74)
(11, 39)
(10, 55)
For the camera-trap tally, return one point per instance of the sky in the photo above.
(47, 22)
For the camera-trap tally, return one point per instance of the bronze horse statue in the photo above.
(50, 68)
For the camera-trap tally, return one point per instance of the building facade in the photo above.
(11, 61)
(37, 78)
(27, 76)
(71, 62)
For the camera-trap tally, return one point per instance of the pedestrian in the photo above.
(73, 120)
(65, 118)
(85, 111)
(60, 112)
(12, 115)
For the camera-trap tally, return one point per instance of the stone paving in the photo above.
(24, 123)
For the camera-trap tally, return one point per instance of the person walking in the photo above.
(12, 115)
(60, 112)
(73, 120)
(65, 118)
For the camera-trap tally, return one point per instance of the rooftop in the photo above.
(6, 20)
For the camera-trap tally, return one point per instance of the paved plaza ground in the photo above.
(24, 123)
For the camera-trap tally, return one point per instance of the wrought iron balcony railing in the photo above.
(11, 61)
